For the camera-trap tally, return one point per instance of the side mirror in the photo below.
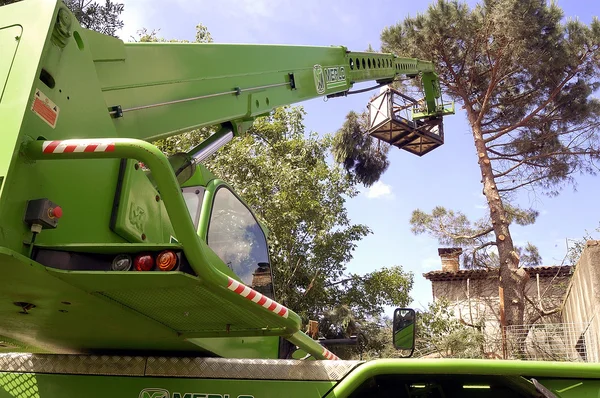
(404, 330)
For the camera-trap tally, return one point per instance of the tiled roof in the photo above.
(463, 274)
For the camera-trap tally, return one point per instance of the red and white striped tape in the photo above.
(257, 297)
(68, 146)
(329, 355)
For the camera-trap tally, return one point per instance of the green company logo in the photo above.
(154, 393)
(162, 393)
(319, 79)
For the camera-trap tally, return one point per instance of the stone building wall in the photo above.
(474, 296)
(582, 304)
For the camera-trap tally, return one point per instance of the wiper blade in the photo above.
(543, 390)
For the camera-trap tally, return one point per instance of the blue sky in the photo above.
(448, 176)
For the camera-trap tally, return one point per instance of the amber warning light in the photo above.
(166, 260)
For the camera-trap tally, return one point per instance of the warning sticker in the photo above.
(44, 108)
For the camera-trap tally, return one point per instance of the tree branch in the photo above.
(338, 282)
(522, 185)
(526, 119)
(540, 310)
(465, 237)
(469, 325)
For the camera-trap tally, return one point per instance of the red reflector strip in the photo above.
(257, 297)
(329, 355)
(69, 146)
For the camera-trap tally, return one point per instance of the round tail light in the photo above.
(143, 262)
(122, 263)
(166, 260)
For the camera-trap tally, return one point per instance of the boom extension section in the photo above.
(95, 256)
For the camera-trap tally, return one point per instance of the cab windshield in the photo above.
(237, 238)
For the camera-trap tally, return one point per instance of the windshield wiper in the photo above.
(543, 390)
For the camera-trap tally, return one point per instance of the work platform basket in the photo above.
(392, 119)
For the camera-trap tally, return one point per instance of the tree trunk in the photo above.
(512, 278)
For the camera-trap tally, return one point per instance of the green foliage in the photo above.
(98, 17)
(475, 238)
(575, 247)
(363, 157)
(525, 79)
(440, 333)
(202, 34)
(93, 15)
(145, 35)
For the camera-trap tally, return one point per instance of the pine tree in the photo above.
(526, 82)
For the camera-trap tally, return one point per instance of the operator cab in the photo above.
(232, 231)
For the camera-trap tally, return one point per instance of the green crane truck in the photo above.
(126, 273)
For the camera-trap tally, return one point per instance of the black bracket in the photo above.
(115, 111)
(292, 81)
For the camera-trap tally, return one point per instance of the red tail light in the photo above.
(143, 262)
(166, 260)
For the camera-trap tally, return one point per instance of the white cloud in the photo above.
(431, 263)
(380, 190)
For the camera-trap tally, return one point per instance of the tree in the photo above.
(575, 247)
(92, 15)
(363, 157)
(440, 333)
(525, 81)
(145, 35)
(454, 229)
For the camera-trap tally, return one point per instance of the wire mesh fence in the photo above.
(571, 342)
(562, 342)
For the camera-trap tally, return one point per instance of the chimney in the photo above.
(449, 256)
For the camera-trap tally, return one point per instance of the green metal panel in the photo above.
(57, 386)
(9, 37)
(175, 290)
(572, 387)
(571, 372)
(202, 176)
(240, 347)
(211, 73)
(176, 300)
(84, 189)
(113, 248)
(53, 376)
(70, 320)
(140, 214)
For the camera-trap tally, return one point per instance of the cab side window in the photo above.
(236, 237)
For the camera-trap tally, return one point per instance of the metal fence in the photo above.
(552, 342)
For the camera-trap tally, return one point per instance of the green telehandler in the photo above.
(127, 273)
